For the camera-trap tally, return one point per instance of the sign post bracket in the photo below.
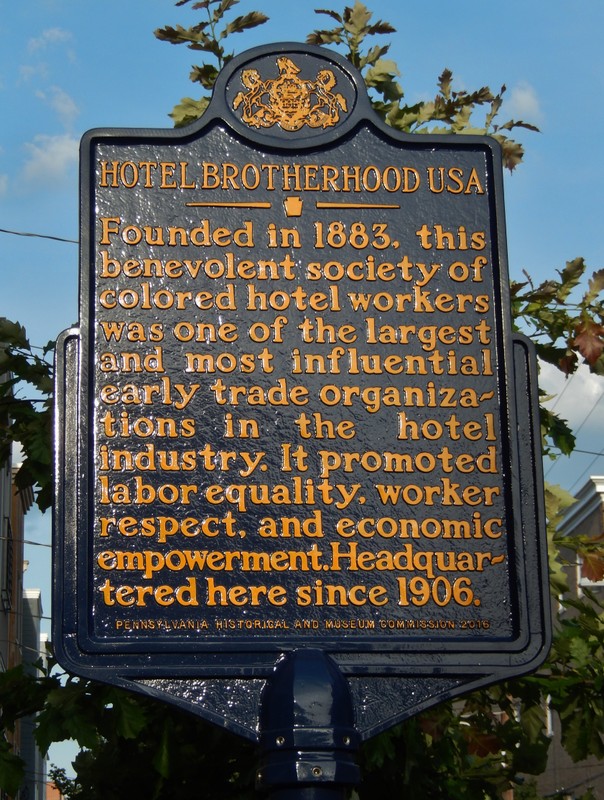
(307, 736)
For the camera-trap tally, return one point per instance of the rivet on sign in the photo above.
(317, 772)
(280, 740)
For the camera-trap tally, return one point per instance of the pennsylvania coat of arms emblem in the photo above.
(289, 100)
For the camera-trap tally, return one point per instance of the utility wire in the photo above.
(16, 613)
(21, 646)
(593, 408)
(592, 462)
(587, 469)
(39, 236)
(568, 789)
(567, 383)
(23, 541)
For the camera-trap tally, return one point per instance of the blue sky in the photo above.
(69, 65)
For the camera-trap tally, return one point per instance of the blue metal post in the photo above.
(308, 739)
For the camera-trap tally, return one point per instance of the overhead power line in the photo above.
(567, 383)
(39, 236)
(24, 541)
(587, 469)
(576, 431)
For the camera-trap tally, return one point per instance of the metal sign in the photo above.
(294, 413)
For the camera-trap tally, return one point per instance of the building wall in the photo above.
(34, 787)
(12, 568)
(7, 654)
(585, 517)
(15, 623)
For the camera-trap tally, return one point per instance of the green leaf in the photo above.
(511, 124)
(357, 18)
(321, 37)
(194, 38)
(205, 75)
(557, 500)
(532, 720)
(373, 56)
(445, 81)
(581, 737)
(580, 652)
(380, 750)
(13, 333)
(595, 287)
(570, 275)
(531, 757)
(558, 430)
(69, 713)
(245, 22)
(161, 761)
(598, 366)
(512, 152)
(188, 110)
(129, 714)
(224, 6)
(383, 70)
(381, 76)
(381, 28)
(329, 13)
(12, 769)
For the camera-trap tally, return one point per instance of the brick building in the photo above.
(20, 614)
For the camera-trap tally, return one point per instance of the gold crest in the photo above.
(289, 101)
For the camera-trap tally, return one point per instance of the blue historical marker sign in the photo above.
(294, 413)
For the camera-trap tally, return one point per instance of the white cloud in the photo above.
(523, 104)
(48, 37)
(580, 401)
(577, 398)
(50, 157)
(60, 102)
(28, 73)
